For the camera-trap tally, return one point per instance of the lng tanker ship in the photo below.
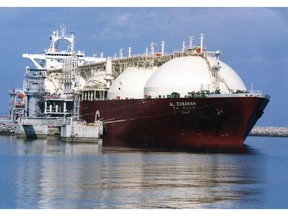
(176, 107)
(188, 98)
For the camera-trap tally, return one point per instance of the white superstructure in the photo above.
(53, 58)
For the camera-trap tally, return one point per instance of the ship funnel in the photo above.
(201, 42)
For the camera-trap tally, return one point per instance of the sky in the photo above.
(253, 40)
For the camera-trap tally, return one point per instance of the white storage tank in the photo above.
(188, 74)
(232, 79)
(130, 83)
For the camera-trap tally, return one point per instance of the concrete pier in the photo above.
(81, 133)
(34, 128)
(32, 131)
(68, 130)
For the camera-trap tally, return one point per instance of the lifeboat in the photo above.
(21, 95)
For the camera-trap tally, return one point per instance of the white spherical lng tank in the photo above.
(232, 79)
(130, 83)
(191, 73)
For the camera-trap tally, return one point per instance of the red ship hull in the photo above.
(205, 123)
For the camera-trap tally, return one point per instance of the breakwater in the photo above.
(270, 131)
(7, 128)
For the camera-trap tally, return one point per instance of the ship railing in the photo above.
(143, 55)
(5, 119)
(43, 121)
(255, 92)
(55, 121)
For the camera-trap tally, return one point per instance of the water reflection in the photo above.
(50, 146)
(51, 174)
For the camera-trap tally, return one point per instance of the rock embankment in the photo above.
(270, 131)
(7, 129)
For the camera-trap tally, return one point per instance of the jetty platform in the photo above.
(69, 130)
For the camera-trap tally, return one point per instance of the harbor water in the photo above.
(48, 174)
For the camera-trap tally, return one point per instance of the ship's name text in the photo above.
(182, 104)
